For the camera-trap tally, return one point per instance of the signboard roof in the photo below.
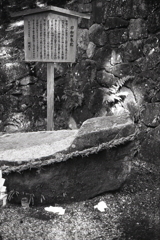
(50, 34)
(53, 9)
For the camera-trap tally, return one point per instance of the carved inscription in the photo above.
(50, 38)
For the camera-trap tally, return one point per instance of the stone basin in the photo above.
(68, 165)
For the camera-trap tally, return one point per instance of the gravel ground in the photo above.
(132, 213)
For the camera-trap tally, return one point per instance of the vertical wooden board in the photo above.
(55, 40)
(40, 39)
(33, 39)
(63, 39)
(48, 39)
(27, 38)
(50, 96)
(44, 37)
(59, 38)
(52, 39)
(72, 39)
(37, 37)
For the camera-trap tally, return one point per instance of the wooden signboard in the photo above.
(50, 35)
(50, 38)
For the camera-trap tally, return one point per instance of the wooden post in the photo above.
(50, 35)
(50, 96)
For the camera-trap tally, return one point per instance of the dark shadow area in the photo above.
(139, 229)
(140, 213)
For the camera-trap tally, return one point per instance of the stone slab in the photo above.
(22, 147)
(18, 148)
(96, 131)
(57, 169)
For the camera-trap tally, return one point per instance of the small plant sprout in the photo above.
(42, 198)
(31, 199)
(12, 193)
(3, 196)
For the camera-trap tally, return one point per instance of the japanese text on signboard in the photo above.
(49, 38)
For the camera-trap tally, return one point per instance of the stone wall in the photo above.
(117, 69)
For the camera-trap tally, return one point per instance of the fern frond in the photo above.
(114, 88)
(111, 98)
(111, 95)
